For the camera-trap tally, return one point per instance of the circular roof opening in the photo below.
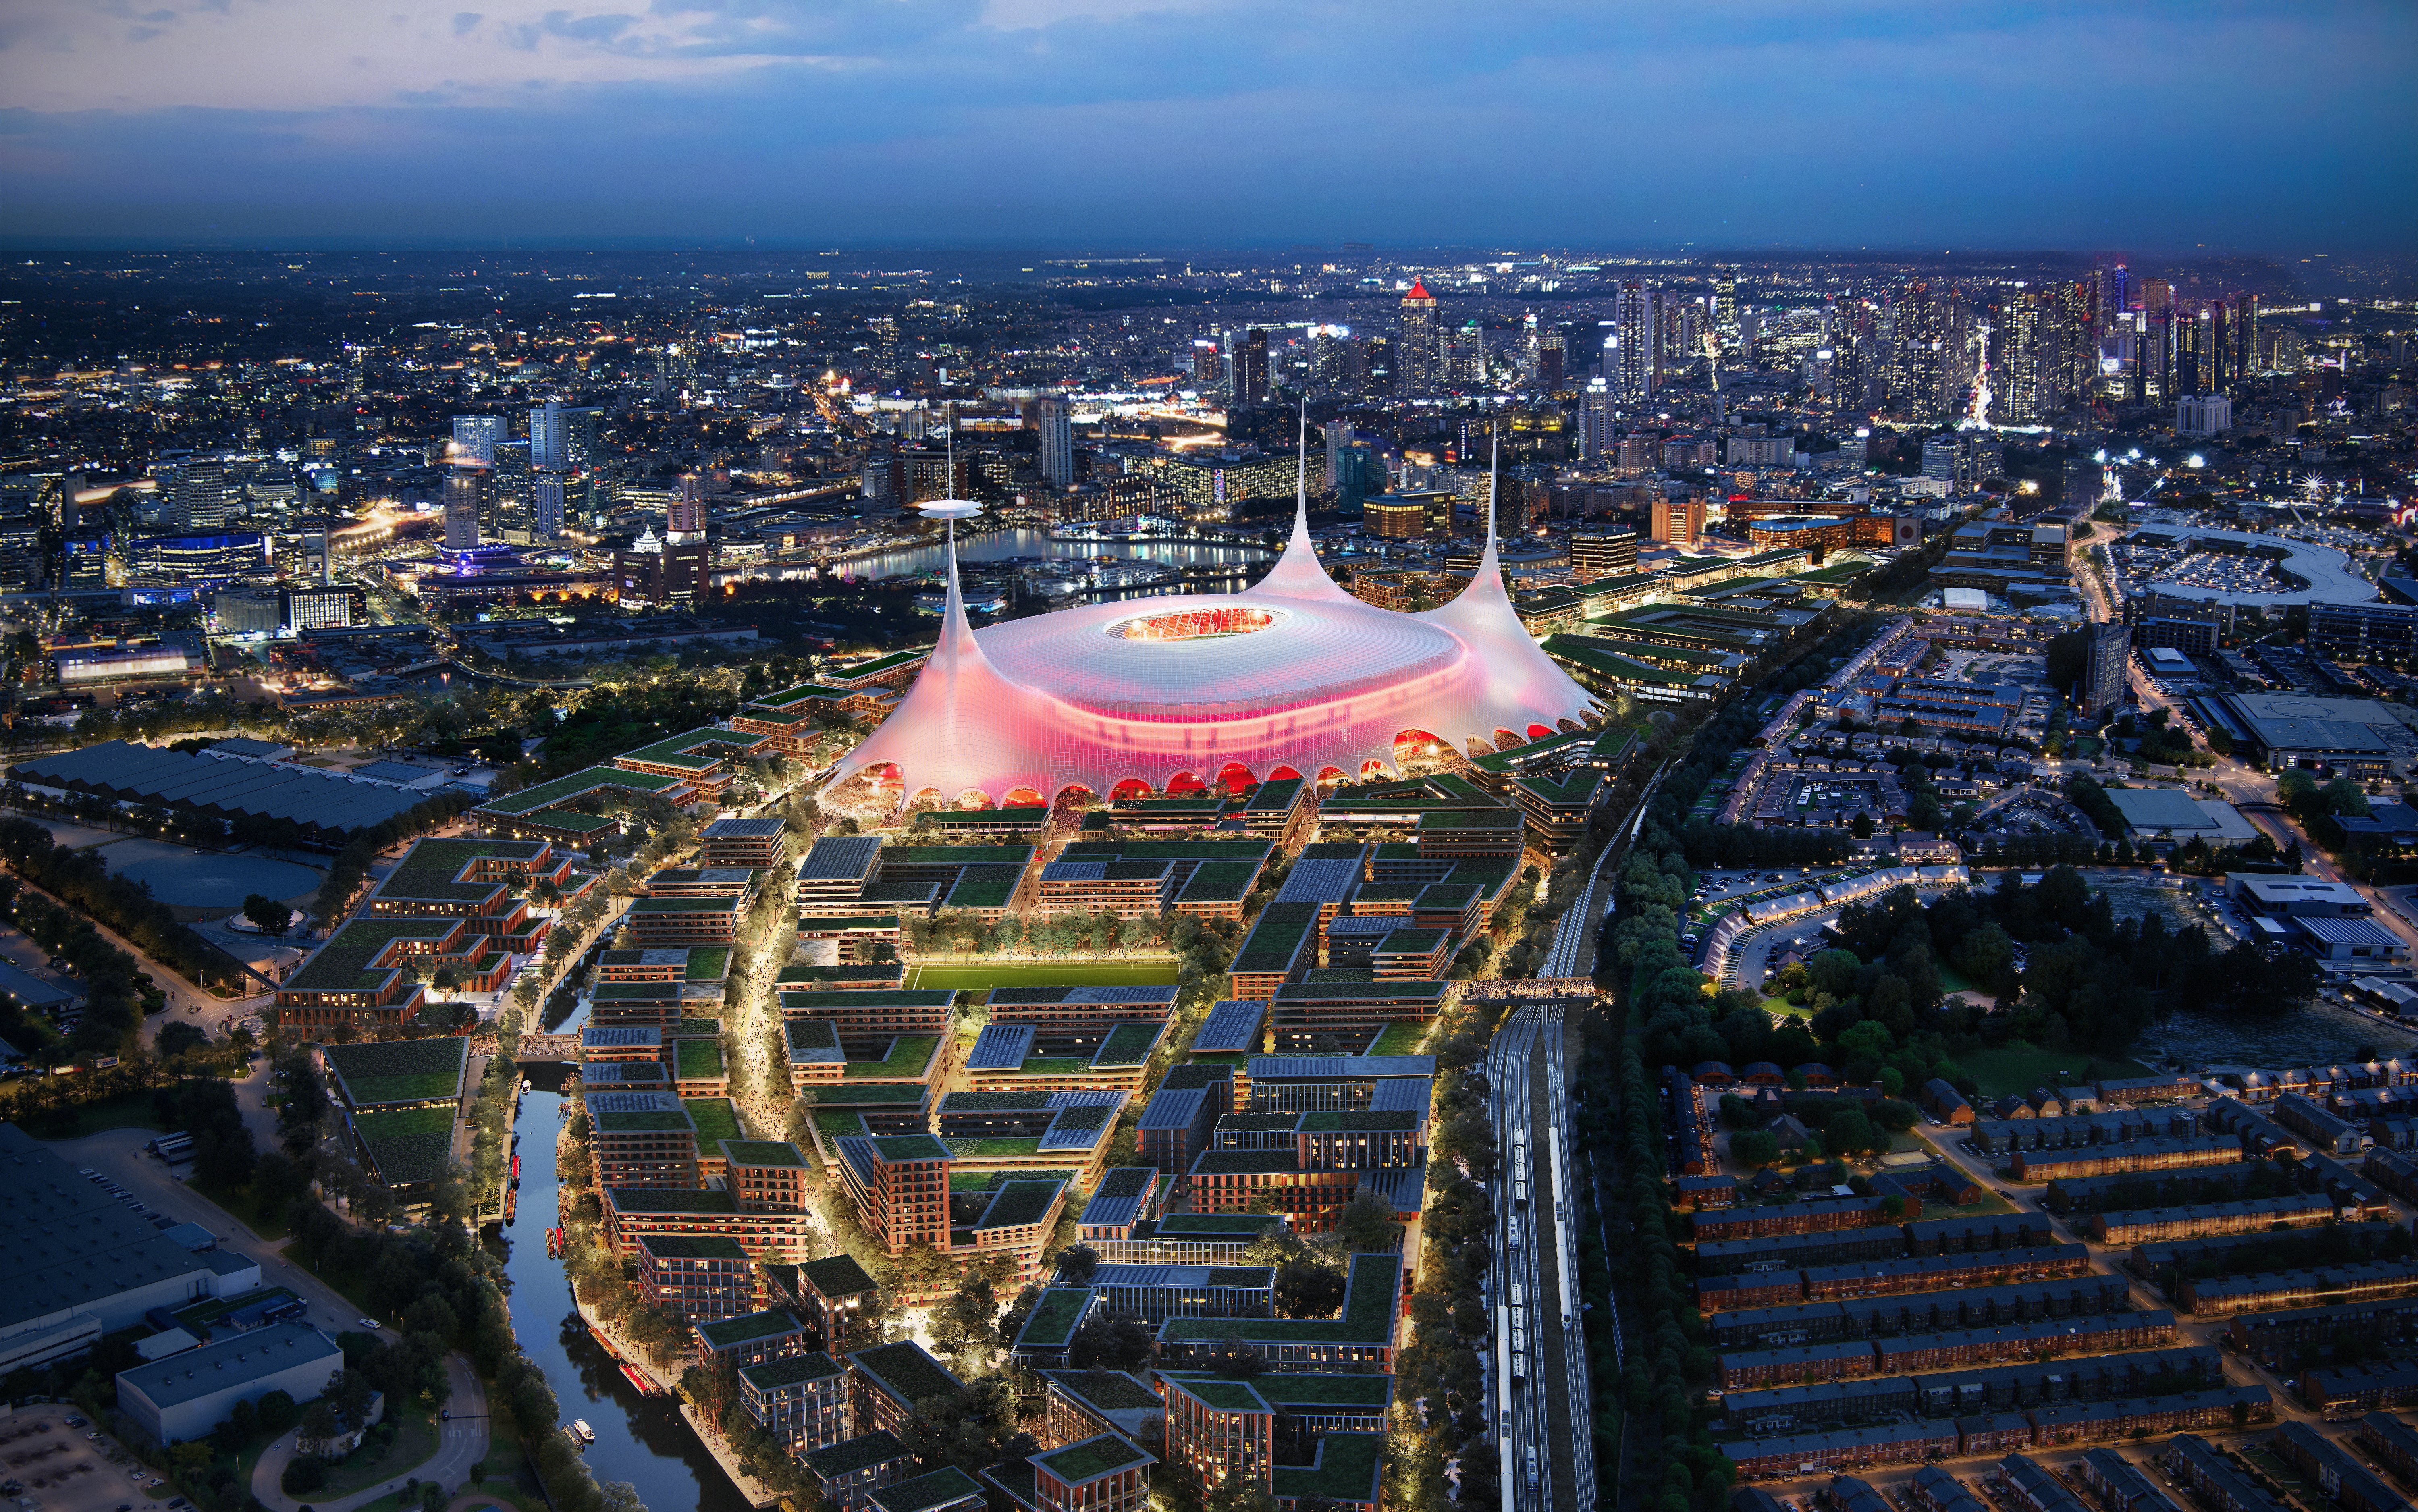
(1195, 624)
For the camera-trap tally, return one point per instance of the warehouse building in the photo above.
(185, 1395)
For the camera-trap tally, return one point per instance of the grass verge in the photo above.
(1144, 973)
(2004, 1073)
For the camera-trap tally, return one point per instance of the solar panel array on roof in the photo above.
(227, 785)
(1172, 1108)
(1091, 1097)
(840, 858)
(1121, 1196)
(1080, 1134)
(1401, 1094)
(1339, 1067)
(1231, 1028)
(1001, 1048)
(1075, 871)
(1320, 881)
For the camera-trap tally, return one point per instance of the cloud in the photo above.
(1873, 123)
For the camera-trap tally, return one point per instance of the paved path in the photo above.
(461, 1440)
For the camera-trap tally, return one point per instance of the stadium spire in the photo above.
(1298, 573)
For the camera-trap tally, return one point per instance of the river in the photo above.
(642, 1440)
(1000, 546)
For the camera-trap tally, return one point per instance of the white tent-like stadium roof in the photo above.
(1293, 676)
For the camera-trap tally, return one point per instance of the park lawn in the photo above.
(509, 1480)
(1954, 981)
(237, 1202)
(2006, 1073)
(1159, 972)
(1786, 1009)
(415, 1444)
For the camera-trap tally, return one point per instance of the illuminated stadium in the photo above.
(1292, 678)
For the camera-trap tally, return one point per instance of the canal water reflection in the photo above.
(642, 1440)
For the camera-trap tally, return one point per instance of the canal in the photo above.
(642, 1440)
(1002, 545)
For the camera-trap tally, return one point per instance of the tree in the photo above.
(1306, 1289)
(1849, 1132)
(1366, 1226)
(1077, 1263)
(272, 917)
(1755, 1147)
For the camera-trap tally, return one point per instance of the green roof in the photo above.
(763, 1153)
(870, 1094)
(709, 963)
(1226, 1395)
(688, 905)
(906, 1371)
(693, 1247)
(399, 1071)
(850, 1456)
(1277, 937)
(1021, 1202)
(715, 1120)
(671, 1199)
(1216, 1223)
(910, 1056)
(890, 661)
(772, 1375)
(1129, 1044)
(562, 789)
(409, 1144)
(673, 751)
(723, 1332)
(1372, 1298)
(945, 1487)
(985, 887)
(1112, 1391)
(1222, 881)
(987, 1147)
(837, 1276)
(1092, 1459)
(1373, 1121)
(1348, 1468)
(640, 1120)
(1054, 1316)
(698, 1059)
(899, 1147)
(342, 964)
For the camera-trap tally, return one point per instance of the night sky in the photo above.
(1922, 127)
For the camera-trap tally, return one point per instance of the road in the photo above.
(462, 1441)
(1550, 1412)
(117, 1154)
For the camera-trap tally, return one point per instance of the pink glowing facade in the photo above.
(1293, 677)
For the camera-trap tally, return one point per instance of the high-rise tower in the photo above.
(1632, 378)
(1055, 421)
(1419, 346)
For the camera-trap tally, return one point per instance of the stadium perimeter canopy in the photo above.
(321, 803)
(1292, 676)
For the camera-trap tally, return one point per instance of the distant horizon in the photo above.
(1269, 249)
(1834, 124)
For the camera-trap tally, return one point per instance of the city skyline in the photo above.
(1056, 121)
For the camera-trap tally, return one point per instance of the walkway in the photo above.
(462, 1441)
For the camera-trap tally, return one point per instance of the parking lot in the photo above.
(53, 1460)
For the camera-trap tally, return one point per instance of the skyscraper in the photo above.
(2106, 649)
(466, 485)
(1915, 379)
(1251, 368)
(1633, 383)
(475, 437)
(1204, 366)
(1726, 300)
(1418, 345)
(549, 437)
(1596, 434)
(203, 494)
(1055, 421)
(546, 507)
(2017, 374)
(684, 516)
